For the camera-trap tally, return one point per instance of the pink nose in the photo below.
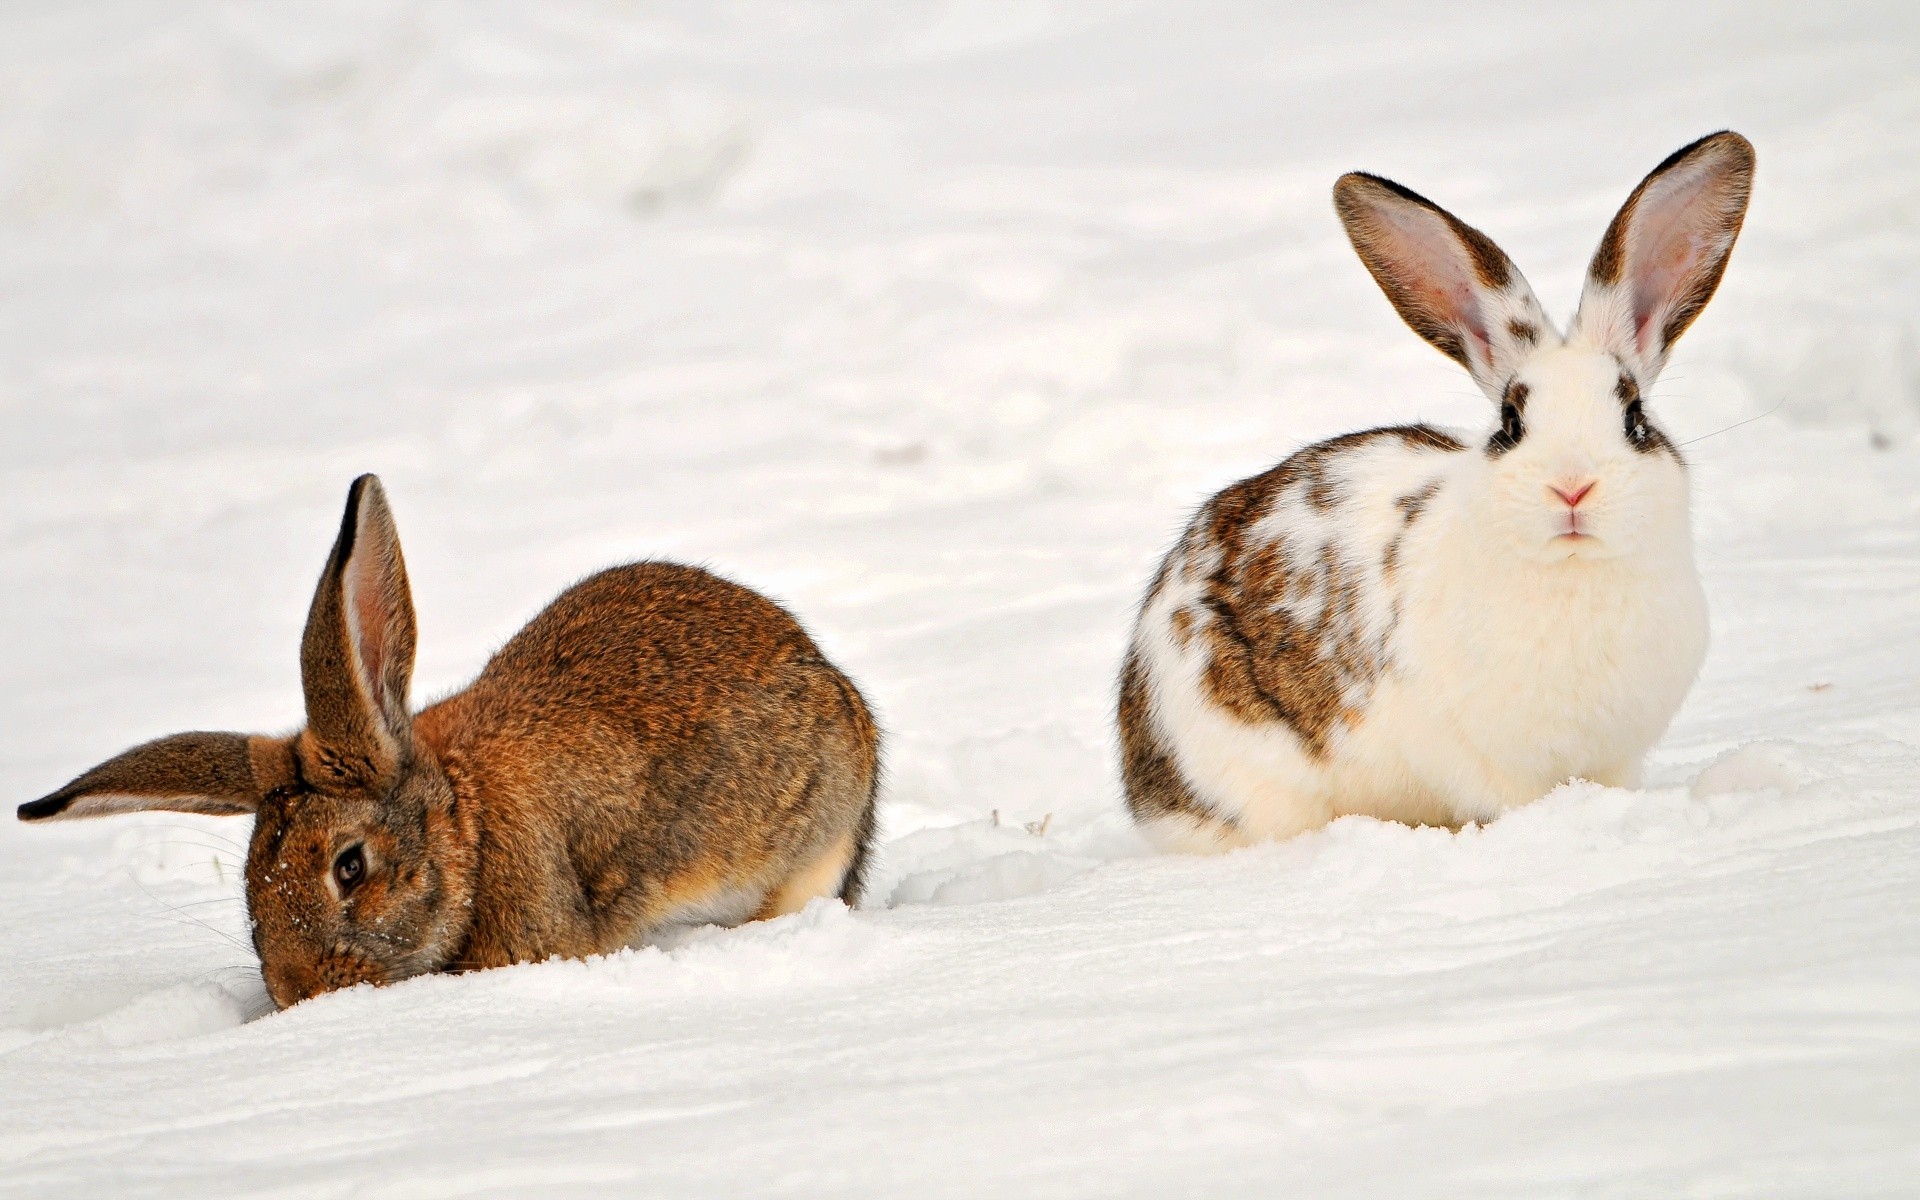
(1572, 495)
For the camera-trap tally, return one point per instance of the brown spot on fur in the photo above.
(1523, 331)
(1182, 624)
(1413, 504)
(1154, 785)
(1300, 667)
(1321, 492)
(1286, 638)
(1415, 437)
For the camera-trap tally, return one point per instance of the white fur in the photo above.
(1514, 659)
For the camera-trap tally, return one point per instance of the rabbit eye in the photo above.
(1512, 429)
(1637, 428)
(349, 868)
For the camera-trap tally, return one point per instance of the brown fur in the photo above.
(1182, 628)
(746, 760)
(200, 772)
(1411, 506)
(1264, 664)
(1154, 785)
(1514, 396)
(654, 739)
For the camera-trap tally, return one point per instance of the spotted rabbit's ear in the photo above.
(1448, 280)
(1663, 256)
(356, 657)
(223, 774)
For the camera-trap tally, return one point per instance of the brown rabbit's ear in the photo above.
(1448, 281)
(217, 773)
(1662, 258)
(356, 657)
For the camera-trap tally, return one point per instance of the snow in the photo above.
(934, 321)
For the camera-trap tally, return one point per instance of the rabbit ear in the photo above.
(1663, 256)
(215, 773)
(1447, 279)
(356, 658)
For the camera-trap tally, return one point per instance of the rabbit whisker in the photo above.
(1737, 424)
(201, 831)
(190, 918)
(240, 900)
(216, 850)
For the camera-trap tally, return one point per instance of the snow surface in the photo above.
(934, 321)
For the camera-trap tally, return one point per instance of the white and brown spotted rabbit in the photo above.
(658, 747)
(1431, 627)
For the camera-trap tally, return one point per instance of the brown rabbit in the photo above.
(659, 747)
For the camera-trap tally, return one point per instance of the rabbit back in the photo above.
(659, 746)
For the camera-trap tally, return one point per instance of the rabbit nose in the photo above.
(1572, 493)
(287, 987)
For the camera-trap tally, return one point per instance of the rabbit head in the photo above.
(1575, 466)
(360, 868)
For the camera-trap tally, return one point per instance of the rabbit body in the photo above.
(658, 747)
(1337, 636)
(1436, 627)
